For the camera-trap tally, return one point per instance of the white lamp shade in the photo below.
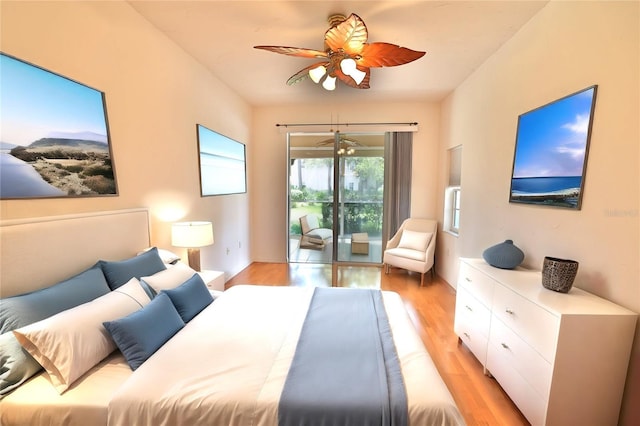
(192, 234)
(317, 73)
(329, 83)
(348, 65)
(358, 75)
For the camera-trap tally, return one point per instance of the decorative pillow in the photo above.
(71, 342)
(169, 278)
(168, 257)
(140, 334)
(26, 309)
(119, 272)
(414, 240)
(17, 364)
(190, 298)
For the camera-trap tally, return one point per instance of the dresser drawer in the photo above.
(470, 307)
(466, 329)
(536, 325)
(532, 405)
(476, 283)
(531, 366)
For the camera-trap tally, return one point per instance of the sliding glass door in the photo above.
(336, 182)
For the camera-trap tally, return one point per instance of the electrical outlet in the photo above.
(228, 251)
(239, 244)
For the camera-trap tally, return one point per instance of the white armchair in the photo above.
(412, 247)
(312, 235)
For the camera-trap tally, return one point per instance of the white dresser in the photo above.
(561, 358)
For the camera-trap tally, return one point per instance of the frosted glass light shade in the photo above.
(192, 234)
(317, 73)
(358, 75)
(348, 66)
(329, 83)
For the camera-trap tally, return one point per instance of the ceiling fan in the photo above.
(347, 56)
(345, 145)
(342, 140)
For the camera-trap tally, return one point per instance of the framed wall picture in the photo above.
(222, 164)
(54, 135)
(552, 145)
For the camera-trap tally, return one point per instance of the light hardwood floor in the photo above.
(479, 397)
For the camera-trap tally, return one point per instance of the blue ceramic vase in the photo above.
(504, 255)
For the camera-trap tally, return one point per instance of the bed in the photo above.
(242, 357)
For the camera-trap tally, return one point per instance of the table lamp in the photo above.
(192, 236)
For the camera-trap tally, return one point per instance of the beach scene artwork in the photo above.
(53, 135)
(552, 144)
(222, 164)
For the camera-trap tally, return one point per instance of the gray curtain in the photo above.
(397, 170)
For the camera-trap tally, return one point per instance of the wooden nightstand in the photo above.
(213, 279)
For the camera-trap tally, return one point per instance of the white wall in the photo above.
(269, 228)
(564, 48)
(155, 95)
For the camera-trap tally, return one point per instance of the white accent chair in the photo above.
(312, 235)
(413, 247)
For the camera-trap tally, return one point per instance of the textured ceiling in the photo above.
(458, 36)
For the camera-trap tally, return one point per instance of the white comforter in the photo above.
(229, 364)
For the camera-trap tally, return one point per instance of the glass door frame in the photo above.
(338, 197)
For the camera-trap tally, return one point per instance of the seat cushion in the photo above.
(321, 234)
(407, 253)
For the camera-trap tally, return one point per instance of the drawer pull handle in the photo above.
(467, 335)
(467, 279)
(504, 345)
(509, 311)
(468, 308)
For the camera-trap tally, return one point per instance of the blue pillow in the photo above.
(120, 272)
(190, 297)
(17, 364)
(140, 334)
(18, 311)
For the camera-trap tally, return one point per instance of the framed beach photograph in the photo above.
(54, 135)
(222, 164)
(552, 145)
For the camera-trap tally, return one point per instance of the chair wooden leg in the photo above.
(386, 268)
(421, 279)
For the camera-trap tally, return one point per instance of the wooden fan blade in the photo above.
(350, 35)
(364, 84)
(294, 51)
(304, 73)
(387, 55)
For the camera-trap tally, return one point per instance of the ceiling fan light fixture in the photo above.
(317, 73)
(329, 83)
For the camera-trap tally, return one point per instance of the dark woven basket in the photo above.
(558, 274)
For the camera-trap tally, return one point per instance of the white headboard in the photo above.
(38, 252)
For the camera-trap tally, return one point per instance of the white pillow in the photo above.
(414, 240)
(69, 343)
(166, 256)
(169, 278)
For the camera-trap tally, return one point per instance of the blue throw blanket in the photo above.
(345, 370)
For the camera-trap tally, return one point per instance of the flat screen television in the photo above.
(552, 144)
(54, 135)
(222, 164)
